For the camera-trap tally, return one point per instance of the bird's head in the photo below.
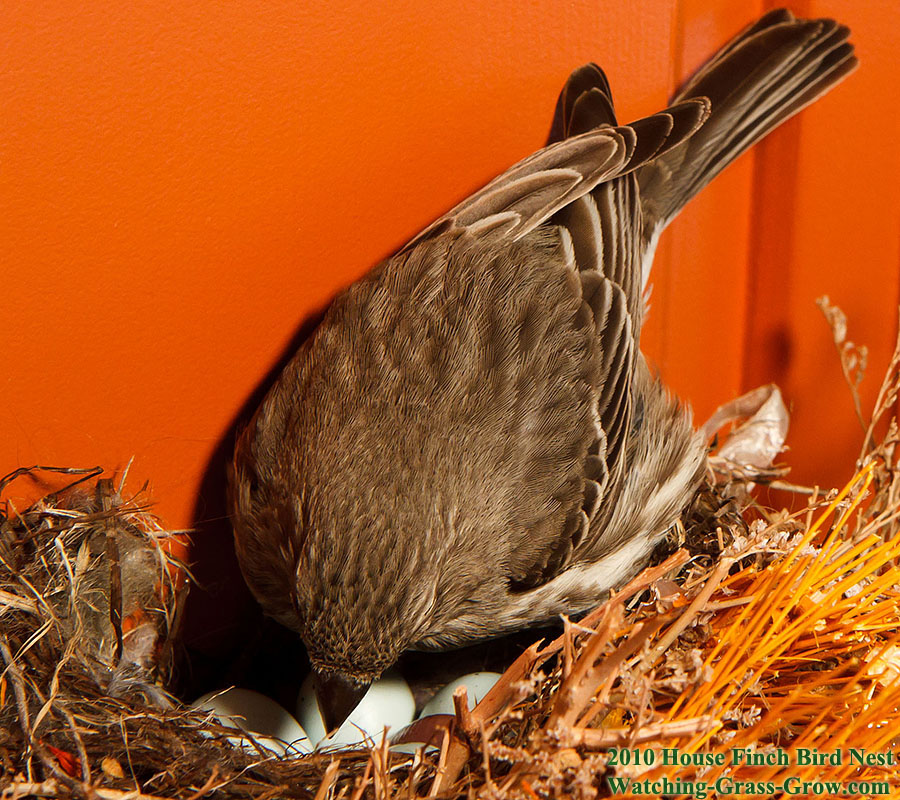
(336, 565)
(355, 621)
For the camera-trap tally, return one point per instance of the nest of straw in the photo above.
(779, 631)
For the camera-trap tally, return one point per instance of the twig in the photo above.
(86, 474)
(794, 488)
(18, 684)
(887, 397)
(467, 724)
(381, 778)
(10, 600)
(502, 693)
(362, 782)
(689, 614)
(601, 738)
(51, 788)
(452, 758)
(328, 778)
(486, 758)
(105, 490)
(207, 786)
(853, 358)
(607, 671)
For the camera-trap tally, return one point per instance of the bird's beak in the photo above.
(338, 695)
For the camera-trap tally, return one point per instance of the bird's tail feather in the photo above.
(763, 76)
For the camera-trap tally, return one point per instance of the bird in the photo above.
(471, 441)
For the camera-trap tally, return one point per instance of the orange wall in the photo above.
(183, 184)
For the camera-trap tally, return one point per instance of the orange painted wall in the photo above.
(183, 184)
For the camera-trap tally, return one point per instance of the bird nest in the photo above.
(745, 659)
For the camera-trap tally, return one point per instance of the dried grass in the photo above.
(782, 630)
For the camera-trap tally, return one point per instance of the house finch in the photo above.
(471, 441)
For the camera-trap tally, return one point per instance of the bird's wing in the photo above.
(592, 152)
(527, 194)
(581, 188)
(605, 227)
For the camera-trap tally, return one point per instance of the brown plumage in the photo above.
(471, 441)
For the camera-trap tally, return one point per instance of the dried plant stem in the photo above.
(885, 401)
(362, 782)
(52, 788)
(10, 600)
(698, 604)
(328, 779)
(603, 738)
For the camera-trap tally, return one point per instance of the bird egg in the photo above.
(477, 684)
(248, 711)
(389, 703)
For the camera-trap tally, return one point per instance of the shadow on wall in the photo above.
(226, 638)
(768, 345)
